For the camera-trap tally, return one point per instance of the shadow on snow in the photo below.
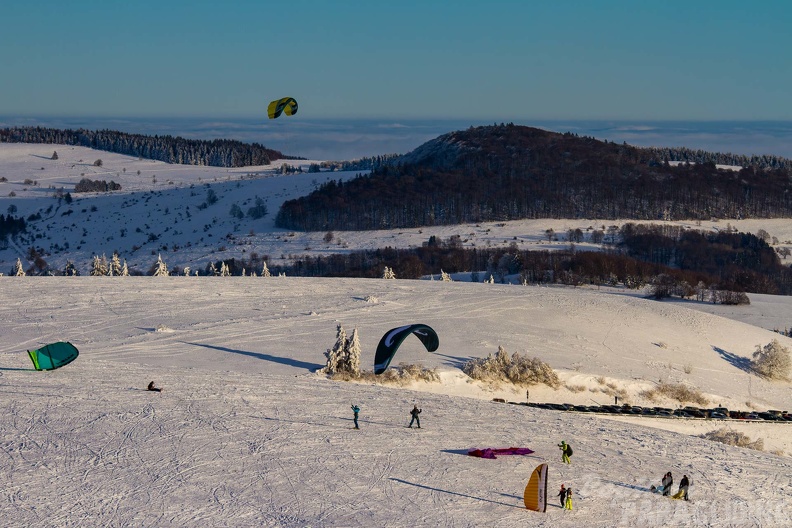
(267, 357)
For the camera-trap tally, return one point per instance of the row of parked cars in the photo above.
(718, 413)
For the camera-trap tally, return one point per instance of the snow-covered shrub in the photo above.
(515, 369)
(402, 375)
(676, 391)
(772, 361)
(733, 438)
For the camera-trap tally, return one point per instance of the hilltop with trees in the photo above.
(509, 172)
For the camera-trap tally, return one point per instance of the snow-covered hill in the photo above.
(246, 434)
(164, 209)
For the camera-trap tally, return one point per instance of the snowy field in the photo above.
(246, 434)
(160, 210)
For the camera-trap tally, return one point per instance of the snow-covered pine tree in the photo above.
(70, 270)
(224, 270)
(124, 270)
(98, 268)
(491, 280)
(352, 363)
(212, 269)
(336, 354)
(160, 270)
(115, 264)
(186, 271)
(19, 271)
(445, 277)
(265, 272)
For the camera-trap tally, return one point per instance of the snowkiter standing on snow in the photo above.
(562, 495)
(568, 502)
(415, 412)
(668, 481)
(684, 484)
(356, 410)
(566, 452)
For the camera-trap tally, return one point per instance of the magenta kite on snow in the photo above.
(489, 452)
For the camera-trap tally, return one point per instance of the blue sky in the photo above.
(499, 60)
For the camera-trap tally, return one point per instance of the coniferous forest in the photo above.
(508, 172)
(170, 149)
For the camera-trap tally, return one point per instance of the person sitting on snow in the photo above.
(151, 387)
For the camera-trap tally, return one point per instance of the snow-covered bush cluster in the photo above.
(515, 369)
(734, 438)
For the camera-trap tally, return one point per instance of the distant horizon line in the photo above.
(263, 118)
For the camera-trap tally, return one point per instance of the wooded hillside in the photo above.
(508, 172)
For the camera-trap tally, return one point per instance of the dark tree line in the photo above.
(738, 261)
(508, 172)
(10, 226)
(170, 149)
(87, 185)
(720, 158)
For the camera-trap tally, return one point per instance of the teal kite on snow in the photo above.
(54, 355)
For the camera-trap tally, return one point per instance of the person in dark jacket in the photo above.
(415, 412)
(151, 387)
(562, 495)
(684, 484)
(356, 410)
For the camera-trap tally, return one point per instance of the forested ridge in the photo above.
(509, 172)
(170, 149)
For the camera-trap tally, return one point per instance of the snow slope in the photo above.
(245, 434)
(159, 210)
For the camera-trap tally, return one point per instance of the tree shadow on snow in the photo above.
(454, 361)
(455, 493)
(734, 360)
(267, 357)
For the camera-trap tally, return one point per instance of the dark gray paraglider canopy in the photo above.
(393, 338)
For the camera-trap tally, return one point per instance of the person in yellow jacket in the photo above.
(566, 451)
(568, 502)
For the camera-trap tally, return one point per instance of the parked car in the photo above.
(752, 416)
(717, 415)
(722, 410)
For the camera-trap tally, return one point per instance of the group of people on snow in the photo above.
(668, 481)
(414, 413)
(565, 495)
